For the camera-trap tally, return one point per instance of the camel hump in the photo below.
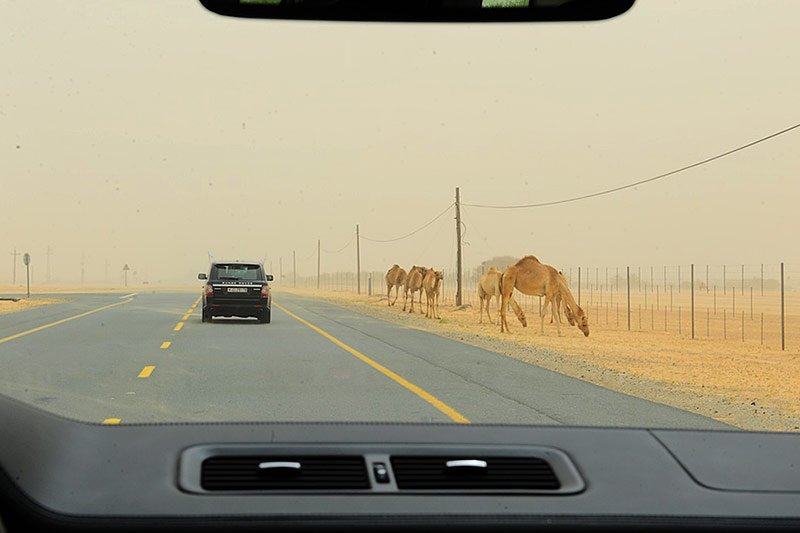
(528, 258)
(492, 269)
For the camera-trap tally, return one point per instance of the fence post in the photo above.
(783, 313)
(628, 276)
(692, 274)
(742, 325)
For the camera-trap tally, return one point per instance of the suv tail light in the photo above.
(209, 289)
(265, 290)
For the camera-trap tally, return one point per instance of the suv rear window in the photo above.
(236, 271)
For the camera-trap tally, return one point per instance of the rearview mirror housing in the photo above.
(202, 275)
(270, 277)
(423, 10)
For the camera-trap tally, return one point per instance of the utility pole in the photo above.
(47, 273)
(294, 268)
(358, 259)
(458, 247)
(318, 249)
(14, 255)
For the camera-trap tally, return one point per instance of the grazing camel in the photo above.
(488, 287)
(395, 277)
(531, 277)
(432, 284)
(414, 284)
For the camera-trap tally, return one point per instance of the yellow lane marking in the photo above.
(165, 345)
(57, 322)
(179, 326)
(146, 371)
(186, 316)
(428, 397)
(111, 421)
(190, 311)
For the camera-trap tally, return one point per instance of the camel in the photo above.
(531, 277)
(395, 277)
(432, 284)
(488, 287)
(414, 284)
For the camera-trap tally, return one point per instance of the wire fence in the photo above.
(752, 303)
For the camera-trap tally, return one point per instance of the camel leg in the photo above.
(547, 301)
(396, 294)
(507, 282)
(420, 300)
(480, 313)
(405, 297)
(557, 318)
(389, 294)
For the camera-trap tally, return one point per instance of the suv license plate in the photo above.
(236, 289)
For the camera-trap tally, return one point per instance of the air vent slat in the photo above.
(501, 473)
(242, 473)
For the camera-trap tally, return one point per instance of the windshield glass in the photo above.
(583, 224)
(236, 271)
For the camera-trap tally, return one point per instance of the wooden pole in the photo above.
(358, 261)
(458, 246)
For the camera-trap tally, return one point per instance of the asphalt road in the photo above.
(109, 358)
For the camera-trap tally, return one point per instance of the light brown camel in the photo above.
(414, 284)
(432, 284)
(531, 277)
(488, 287)
(395, 277)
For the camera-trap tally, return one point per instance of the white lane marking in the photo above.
(128, 296)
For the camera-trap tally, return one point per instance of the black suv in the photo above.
(235, 288)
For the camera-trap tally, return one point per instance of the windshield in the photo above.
(585, 224)
(236, 272)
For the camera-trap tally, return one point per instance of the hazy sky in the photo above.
(151, 131)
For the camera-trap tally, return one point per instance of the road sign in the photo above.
(26, 259)
(125, 269)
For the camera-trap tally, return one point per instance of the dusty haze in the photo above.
(151, 132)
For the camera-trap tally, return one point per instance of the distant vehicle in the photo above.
(235, 288)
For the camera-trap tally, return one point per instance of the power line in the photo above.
(342, 248)
(437, 217)
(648, 180)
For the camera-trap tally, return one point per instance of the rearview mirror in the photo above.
(270, 277)
(422, 10)
(202, 276)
